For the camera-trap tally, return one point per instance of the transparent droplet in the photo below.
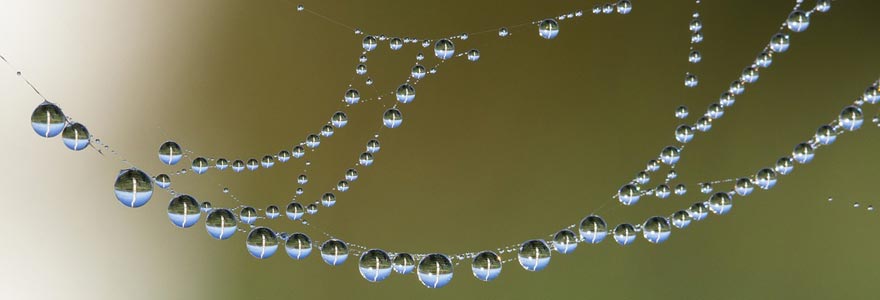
(365, 159)
(720, 203)
(780, 42)
(334, 252)
(690, 80)
(784, 165)
(253, 164)
(222, 164)
(697, 37)
(312, 209)
(395, 44)
(681, 219)
(694, 56)
(803, 153)
(826, 135)
(670, 155)
(75, 136)
(548, 29)
(272, 212)
(624, 7)
(342, 186)
(684, 133)
(642, 177)
(375, 265)
(503, 32)
(680, 189)
(339, 119)
(695, 25)
(298, 246)
(624, 234)
(403, 263)
(593, 229)
(744, 187)
(360, 69)
(48, 120)
(298, 152)
(221, 224)
(369, 43)
(750, 75)
(726, 100)
(200, 165)
(237, 166)
(765, 179)
(313, 141)
(628, 194)
(823, 5)
(662, 191)
(283, 156)
(851, 118)
(798, 21)
(405, 93)
(715, 111)
(565, 241)
(681, 112)
(352, 96)
(444, 49)
(704, 124)
(473, 55)
(698, 211)
(328, 199)
(435, 270)
(486, 266)
(248, 215)
(351, 175)
(656, 230)
(418, 72)
(206, 207)
(765, 59)
(392, 118)
(184, 211)
(737, 87)
(170, 153)
(133, 187)
(705, 188)
(262, 242)
(295, 211)
(373, 146)
(534, 255)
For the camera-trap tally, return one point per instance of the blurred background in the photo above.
(533, 137)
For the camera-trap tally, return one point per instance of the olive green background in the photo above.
(531, 138)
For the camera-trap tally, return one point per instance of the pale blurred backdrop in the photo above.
(533, 137)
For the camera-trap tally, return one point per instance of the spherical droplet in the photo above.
(352, 96)
(694, 56)
(624, 7)
(534, 255)
(298, 152)
(662, 191)
(133, 187)
(826, 135)
(222, 164)
(262, 242)
(342, 186)
(75, 136)
(392, 118)
(373, 146)
(765, 179)
(690, 80)
(548, 29)
(628, 194)
(375, 265)
(798, 21)
(395, 44)
(681, 219)
(851, 118)
(369, 43)
(295, 211)
(565, 241)
(593, 229)
(784, 165)
(744, 186)
(803, 153)
(405, 93)
(272, 212)
(435, 270)
(221, 224)
(284, 156)
(327, 131)
(313, 141)
(780, 42)
(656, 230)
(486, 266)
(48, 120)
(248, 215)
(184, 211)
(444, 49)
(237, 165)
(339, 119)
(681, 112)
(720, 203)
(298, 246)
(698, 211)
(624, 234)
(200, 165)
(473, 55)
(670, 155)
(328, 199)
(334, 252)
(170, 153)
(684, 133)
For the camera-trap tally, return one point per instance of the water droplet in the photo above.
(798, 21)
(133, 187)
(405, 93)
(486, 266)
(565, 241)
(328, 199)
(780, 42)
(684, 133)
(744, 186)
(298, 246)
(624, 234)
(823, 5)
(784, 165)
(548, 29)
(253, 164)
(473, 55)
(698, 211)
(375, 265)
(365, 159)
(75, 136)
(170, 153)
(656, 230)
(272, 212)
(534, 255)
(690, 80)
(851, 118)
(444, 49)
(624, 7)
(826, 135)
(681, 219)
(222, 164)
(352, 96)
(221, 224)
(369, 43)
(418, 72)
(403, 263)
(248, 215)
(295, 211)
(395, 44)
(628, 194)
(48, 120)
(392, 118)
(200, 165)
(334, 252)
(262, 242)
(184, 211)
(339, 120)
(765, 179)
(720, 203)
(694, 56)
(435, 270)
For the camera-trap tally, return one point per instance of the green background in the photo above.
(531, 138)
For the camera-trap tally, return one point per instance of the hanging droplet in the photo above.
(262, 242)
(705, 188)
(253, 164)
(720, 203)
(628, 194)
(298, 246)
(283, 156)
(662, 191)
(334, 252)
(780, 42)
(798, 21)
(803, 153)
(696, 25)
(133, 187)
(352, 96)
(222, 164)
(295, 211)
(351, 175)
(690, 80)
(765, 179)
(184, 211)
(75, 136)
(298, 152)
(248, 215)
(200, 165)
(784, 165)
(593, 229)
(680, 189)
(750, 75)
(392, 118)
(444, 49)
(395, 44)
(473, 55)
(548, 29)
(435, 270)
(313, 141)
(170, 153)
(565, 241)
(656, 230)
(221, 224)
(744, 187)
(503, 32)
(48, 120)
(715, 111)
(684, 133)
(624, 234)
(698, 211)
(342, 186)
(405, 93)
(826, 135)
(272, 212)
(365, 159)
(328, 199)
(534, 255)
(375, 265)
(681, 219)
(704, 124)
(670, 155)
(681, 112)
(373, 146)
(765, 59)
(339, 119)
(369, 43)
(206, 207)
(327, 131)
(360, 69)
(624, 7)
(403, 263)
(737, 87)
(418, 72)
(486, 266)
(694, 56)
(851, 118)
(823, 5)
